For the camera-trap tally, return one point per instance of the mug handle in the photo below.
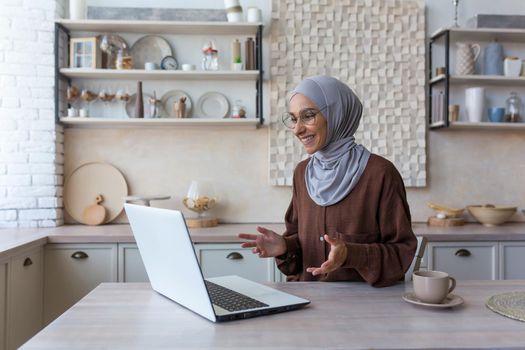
(453, 284)
(477, 50)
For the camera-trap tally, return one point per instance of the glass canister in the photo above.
(513, 108)
(124, 59)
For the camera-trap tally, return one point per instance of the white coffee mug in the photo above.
(188, 66)
(475, 104)
(150, 66)
(254, 15)
(82, 112)
(72, 112)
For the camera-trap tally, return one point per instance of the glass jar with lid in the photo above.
(124, 59)
(513, 108)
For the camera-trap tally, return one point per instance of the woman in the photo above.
(348, 219)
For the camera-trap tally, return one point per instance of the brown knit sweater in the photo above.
(373, 220)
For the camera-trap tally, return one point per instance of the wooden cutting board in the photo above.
(95, 214)
(434, 221)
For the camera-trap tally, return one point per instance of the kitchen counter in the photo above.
(349, 315)
(12, 240)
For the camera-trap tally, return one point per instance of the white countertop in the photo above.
(15, 239)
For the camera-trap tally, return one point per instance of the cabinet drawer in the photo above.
(72, 271)
(3, 304)
(230, 259)
(512, 260)
(466, 261)
(130, 265)
(25, 297)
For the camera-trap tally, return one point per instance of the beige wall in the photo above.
(164, 161)
(465, 167)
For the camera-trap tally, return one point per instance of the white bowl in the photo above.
(491, 215)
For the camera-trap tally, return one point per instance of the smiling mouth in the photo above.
(307, 139)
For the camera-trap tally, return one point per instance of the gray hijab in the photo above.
(334, 170)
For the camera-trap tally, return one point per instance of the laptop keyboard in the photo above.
(231, 300)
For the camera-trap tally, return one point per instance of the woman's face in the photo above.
(311, 132)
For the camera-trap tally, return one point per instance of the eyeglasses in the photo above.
(307, 117)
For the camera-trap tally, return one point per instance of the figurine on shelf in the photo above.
(154, 105)
(180, 107)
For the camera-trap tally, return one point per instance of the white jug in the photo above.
(475, 102)
(466, 56)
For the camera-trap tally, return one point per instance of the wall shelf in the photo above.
(440, 87)
(155, 27)
(141, 74)
(484, 34)
(107, 123)
(488, 126)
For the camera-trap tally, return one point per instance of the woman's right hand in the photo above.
(267, 244)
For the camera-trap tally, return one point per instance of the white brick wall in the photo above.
(31, 145)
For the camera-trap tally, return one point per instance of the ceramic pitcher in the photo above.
(466, 56)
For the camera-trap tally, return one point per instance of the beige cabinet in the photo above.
(72, 271)
(25, 296)
(512, 260)
(3, 304)
(231, 259)
(465, 260)
(130, 265)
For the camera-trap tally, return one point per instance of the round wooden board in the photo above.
(206, 222)
(89, 180)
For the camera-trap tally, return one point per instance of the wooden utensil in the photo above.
(95, 214)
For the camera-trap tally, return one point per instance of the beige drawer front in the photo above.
(72, 271)
(512, 260)
(25, 297)
(230, 259)
(465, 261)
(130, 265)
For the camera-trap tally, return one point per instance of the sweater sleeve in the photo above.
(384, 263)
(290, 263)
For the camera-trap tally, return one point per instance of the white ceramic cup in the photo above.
(475, 104)
(234, 16)
(188, 66)
(254, 14)
(150, 66)
(72, 112)
(77, 9)
(512, 67)
(432, 286)
(82, 112)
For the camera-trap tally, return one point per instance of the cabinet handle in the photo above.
(28, 262)
(79, 255)
(462, 252)
(234, 256)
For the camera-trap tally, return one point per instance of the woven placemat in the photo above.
(510, 305)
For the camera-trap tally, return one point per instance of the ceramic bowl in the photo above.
(491, 215)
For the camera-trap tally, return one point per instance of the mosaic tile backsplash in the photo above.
(378, 48)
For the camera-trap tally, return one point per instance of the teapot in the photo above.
(466, 56)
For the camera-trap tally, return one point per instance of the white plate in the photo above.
(450, 301)
(150, 48)
(213, 105)
(130, 106)
(168, 100)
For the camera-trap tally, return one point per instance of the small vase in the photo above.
(77, 9)
(139, 102)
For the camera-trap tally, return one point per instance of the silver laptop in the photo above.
(173, 270)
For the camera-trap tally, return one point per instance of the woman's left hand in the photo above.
(336, 258)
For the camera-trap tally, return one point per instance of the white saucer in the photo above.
(450, 301)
